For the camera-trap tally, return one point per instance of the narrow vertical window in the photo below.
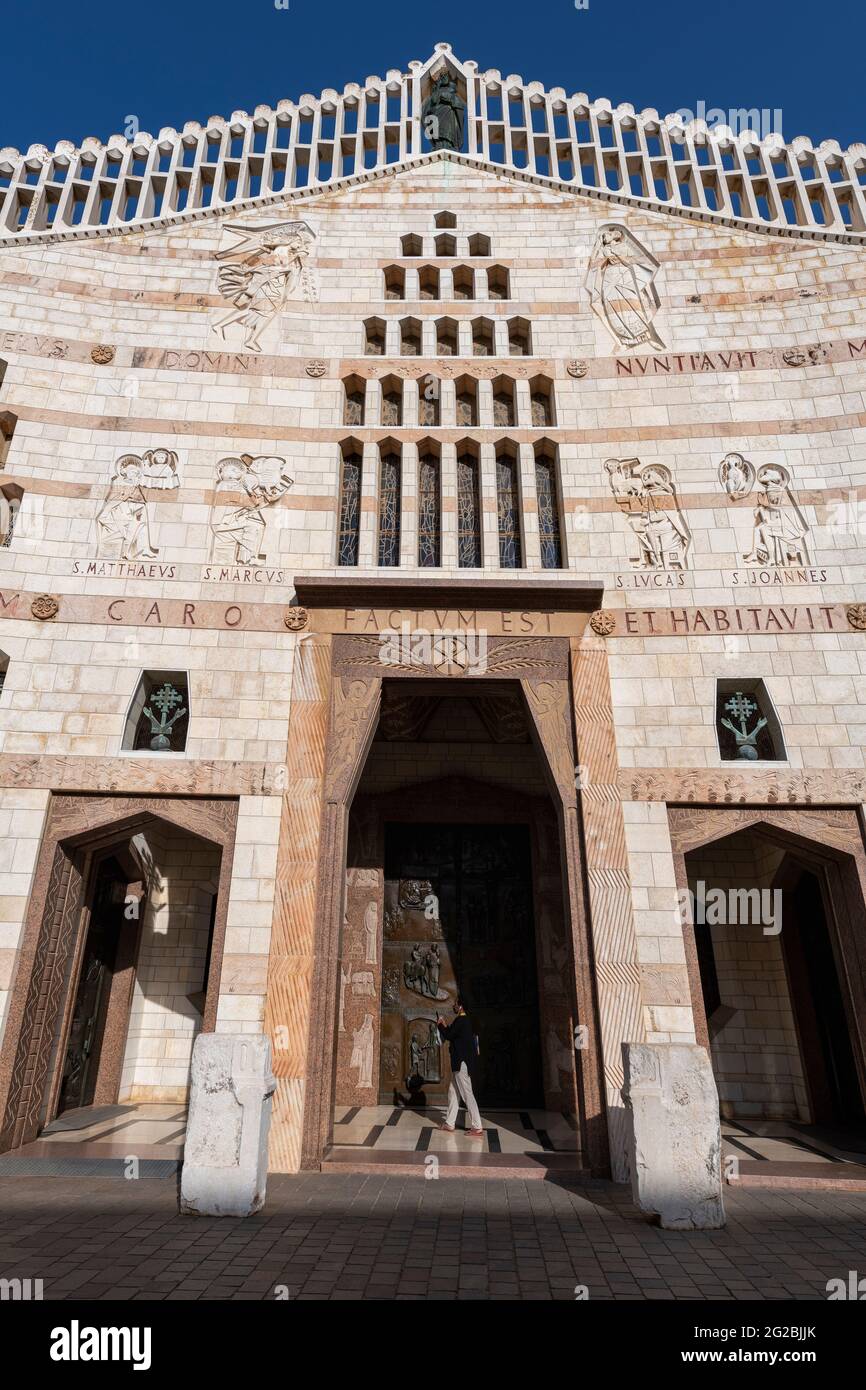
(548, 512)
(468, 514)
(508, 508)
(389, 510)
(429, 513)
(350, 510)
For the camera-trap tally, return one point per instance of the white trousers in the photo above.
(460, 1089)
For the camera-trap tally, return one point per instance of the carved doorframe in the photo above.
(77, 830)
(542, 667)
(829, 840)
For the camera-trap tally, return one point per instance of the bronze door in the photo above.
(91, 997)
(458, 916)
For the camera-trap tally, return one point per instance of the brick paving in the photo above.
(360, 1236)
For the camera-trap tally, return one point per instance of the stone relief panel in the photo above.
(123, 522)
(263, 267)
(360, 977)
(646, 495)
(246, 489)
(780, 532)
(620, 280)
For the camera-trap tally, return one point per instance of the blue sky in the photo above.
(73, 70)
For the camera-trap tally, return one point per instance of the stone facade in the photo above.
(185, 395)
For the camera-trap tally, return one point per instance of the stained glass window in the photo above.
(350, 510)
(548, 513)
(353, 410)
(503, 409)
(466, 412)
(389, 510)
(428, 401)
(429, 513)
(468, 514)
(542, 414)
(392, 408)
(509, 513)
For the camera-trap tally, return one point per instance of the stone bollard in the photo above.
(225, 1164)
(675, 1139)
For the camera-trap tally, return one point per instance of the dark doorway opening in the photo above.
(459, 918)
(819, 1007)
(90, 1008)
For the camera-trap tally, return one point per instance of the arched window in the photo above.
(446, 338)
(747, 726)
(395, 282)
(519, 338)
(428, 282)
(429, 507)
(503, 403)
(10, 504)
(389, 504)
(353, 401)
(464, 282)
(547, 494)
(497, 282)
(158, 717)
(8, 421)
(374, 337)
(392, 402)
(350, 504)
(541, 400)
(468, 509)
(410, 338)
(508, 507)
(429, 401)
(467, 402)
(483, 341)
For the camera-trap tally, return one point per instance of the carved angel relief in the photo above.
(265, 267)
(780, 531)
(239, 527)
(646, 493)
(620, 281)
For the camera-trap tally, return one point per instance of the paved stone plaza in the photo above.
(355, 1236)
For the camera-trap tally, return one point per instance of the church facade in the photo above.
(433, 534)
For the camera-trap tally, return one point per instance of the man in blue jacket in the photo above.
(462, 1047)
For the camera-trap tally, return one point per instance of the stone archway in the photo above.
(541, 669)
(826, 848)
(79, 832)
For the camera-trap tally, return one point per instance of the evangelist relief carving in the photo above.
(620, 281)
(239, 525)
(646, 494)
(264, 268)
(123, 522)
(780, 531)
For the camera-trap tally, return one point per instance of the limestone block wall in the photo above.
(757, 349)
(22, 817)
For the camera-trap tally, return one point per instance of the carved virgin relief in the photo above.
(646, 494)
(620, 281)
(779, 531)
(264, 268)
(239, 526)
